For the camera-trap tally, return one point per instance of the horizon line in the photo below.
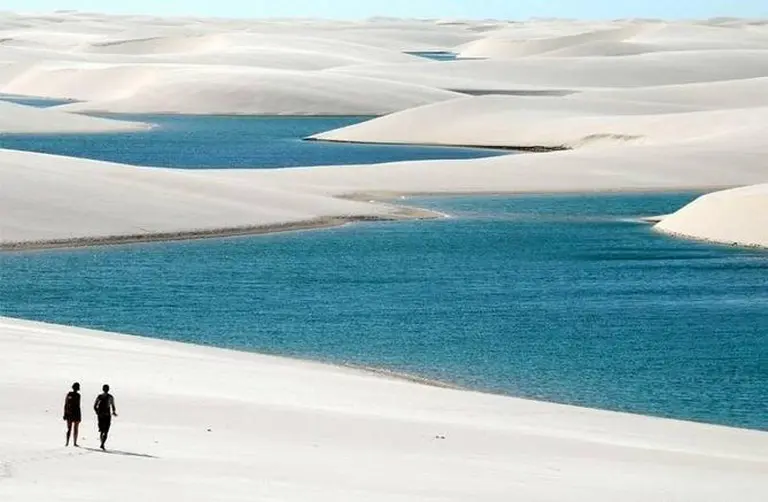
(383, 17)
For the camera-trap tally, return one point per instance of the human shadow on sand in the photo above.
(118, 452)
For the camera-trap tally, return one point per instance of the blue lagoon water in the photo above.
(33, 101)
(186, 141)
(561, 298)
(435, 55)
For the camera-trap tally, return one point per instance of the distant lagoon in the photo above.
(37, 102)
(201, 142)
(435, 55)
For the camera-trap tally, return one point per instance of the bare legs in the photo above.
(72, 425)
(104, 423)
(103, 437)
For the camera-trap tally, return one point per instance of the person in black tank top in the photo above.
(72, 413)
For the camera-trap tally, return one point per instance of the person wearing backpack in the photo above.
(104, 406)
(72, 413)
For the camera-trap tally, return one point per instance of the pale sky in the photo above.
(347, 9)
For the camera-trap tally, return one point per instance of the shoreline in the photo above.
(711, 242)
(503, 148)
(130, 128)
(401, 376)
(401, 212)
(361, 369)
(81, 242)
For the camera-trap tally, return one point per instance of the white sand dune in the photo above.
(49, 198)
(655, 69)
(743, 93)
(707, 164)
(404, 35)
(507, 44)
(27, 119)
(245, 49)
(127, 64)
(242, 91)
(630, 39)
(601, 48)
(543, 29)
(47, 38)
(133, 36)
(214, 89)
(76, 81)
(737, 216)
(683, 53)
(572, 122)
(207, 424)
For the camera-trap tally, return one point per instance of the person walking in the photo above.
(104, 406)
(72, 413)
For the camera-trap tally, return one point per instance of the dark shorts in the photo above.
(105, 422)
(73, 417)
